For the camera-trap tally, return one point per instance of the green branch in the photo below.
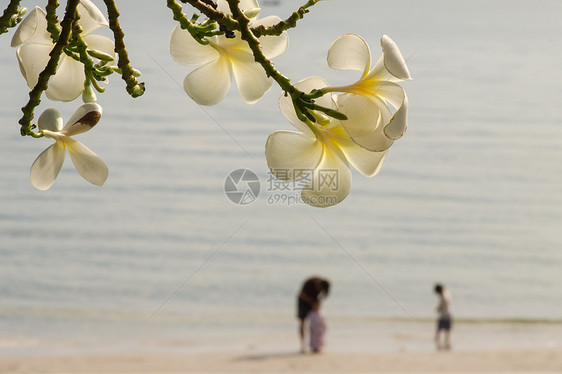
(303, 103)
(52, 20)
(11, 16)
(50, 70)
(289, 23)
(213, 14)
(134, 88)
(198, 32)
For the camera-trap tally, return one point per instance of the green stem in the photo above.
(186, 24)
(211, 13)
(52, 20)
(134, 88)
(289, 23)
(50, 70)
(6, 20)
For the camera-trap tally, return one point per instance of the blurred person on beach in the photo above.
(313, 291)
(445, 320)
(317, 327)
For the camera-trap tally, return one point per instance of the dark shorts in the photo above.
(302, 309)
(444, 324)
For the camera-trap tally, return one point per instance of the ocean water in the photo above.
(160, 257)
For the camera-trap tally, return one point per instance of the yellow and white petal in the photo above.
(399, 122)
(187, 51)
(85, 117)
(366, 162)
(366, 121)
(32, 60)
(330, 182)
(68, 82)
(209, 84)
(391, 66)
(250, 77)
(100, 43)
(50, 120)
(47, 165)
(91, 18)
(289, 151)
(90, 166)
(33, 29)
(272, 46)
(350, 52)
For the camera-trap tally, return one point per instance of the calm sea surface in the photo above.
(470, 197)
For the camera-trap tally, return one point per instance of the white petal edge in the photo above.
(85, 117)
(47, 165)
(68, 82)
(91, 18)
(350, 52)
(366, 121)
(33, 59)
(33, 29)
(391, 65)
(399, 122)
(331, 180)
(51, 120)
(187, 51)
(209, 84)
(288, 151)
(88, 164)
(366, 162)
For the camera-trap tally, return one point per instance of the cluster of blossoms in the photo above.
(337, 127)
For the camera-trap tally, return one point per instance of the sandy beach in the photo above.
(536, 361)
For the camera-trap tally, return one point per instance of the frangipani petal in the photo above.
(32, 60)
(68, 82)
(399, 122)
(272, 46)
(366, 162)
(187, 51)
(91, 18)
(350, 52)
(287, 151)
(33, 29)
(85, 117)
(391, 65)
(47, 165)
(250, 77)
(51, 120)
(208, 84)
(330, 182)
(366, 119)
(90, 166)
(390, 92)
(100, 43)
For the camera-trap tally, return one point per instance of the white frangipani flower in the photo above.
(34, 44)
(47, 165)
(323, 148)
(377, 86)
(225, 57)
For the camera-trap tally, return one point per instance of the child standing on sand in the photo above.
(317, 326)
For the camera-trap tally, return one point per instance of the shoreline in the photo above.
(523, 361)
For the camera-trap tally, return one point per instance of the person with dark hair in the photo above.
(313, 291)
(445, 320)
